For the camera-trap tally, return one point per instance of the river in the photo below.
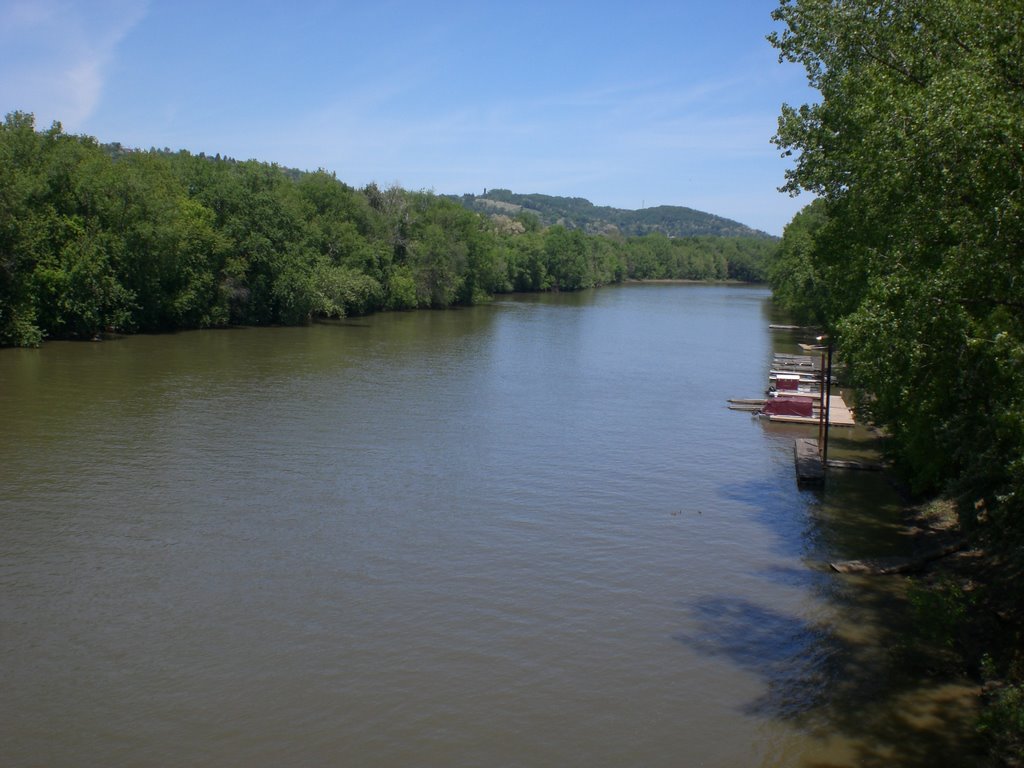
(522, 534)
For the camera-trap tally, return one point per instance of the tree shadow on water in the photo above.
(780, 507)
(826, 683)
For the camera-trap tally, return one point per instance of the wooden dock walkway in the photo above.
(839, 414)
(801, 375)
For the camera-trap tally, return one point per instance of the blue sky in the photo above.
(627, 104)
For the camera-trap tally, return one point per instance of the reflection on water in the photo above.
(522, 534)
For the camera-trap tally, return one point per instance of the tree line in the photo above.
(913, 251)
(96, 237)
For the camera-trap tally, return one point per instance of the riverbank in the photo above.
(958, 630)
(968, 617)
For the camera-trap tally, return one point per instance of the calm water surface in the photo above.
(525, 534)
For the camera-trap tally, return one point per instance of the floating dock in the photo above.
(809, 468)
(793, 381)
(839, 415)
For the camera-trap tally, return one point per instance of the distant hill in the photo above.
(571, 212)
(578, 213)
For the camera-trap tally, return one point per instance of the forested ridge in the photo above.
(97, 237)
(912, 256)
(580, 213)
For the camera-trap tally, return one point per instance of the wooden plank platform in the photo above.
(839, 413)
(794, 366)
(808, 361)
(809, 468)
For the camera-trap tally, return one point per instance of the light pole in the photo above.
(826, 396)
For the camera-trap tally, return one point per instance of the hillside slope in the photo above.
(579, 213)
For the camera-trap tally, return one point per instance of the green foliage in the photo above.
(566, 253)
(939, 613)
(96, 238)
(656, 257)
(526, 263)
(912, 257)
(401, 289)
(1003, 722)
(793, 270)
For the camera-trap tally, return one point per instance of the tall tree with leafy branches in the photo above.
(916, 150)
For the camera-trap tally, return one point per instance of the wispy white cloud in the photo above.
(54, 55)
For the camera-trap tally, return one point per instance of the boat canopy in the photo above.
(789, 406)
(787, 381)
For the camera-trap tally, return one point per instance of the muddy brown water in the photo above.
(522, 534)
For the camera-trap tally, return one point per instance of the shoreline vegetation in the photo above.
(909, 258)
(98, 238)
(963, 621)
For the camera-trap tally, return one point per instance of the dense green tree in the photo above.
(94, 238)
(650, 257)
(59, 261)
(27, 221)
(916, 149)
(795, 275)
(566, 252)
(526, 263)
(607, 260)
